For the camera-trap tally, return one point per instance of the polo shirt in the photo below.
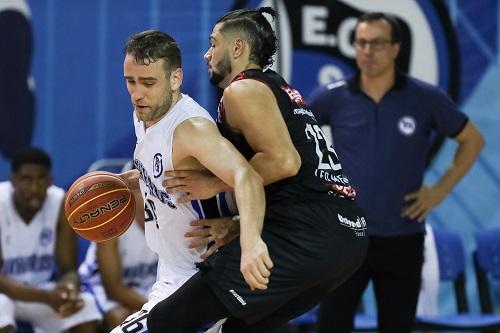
(383, 147)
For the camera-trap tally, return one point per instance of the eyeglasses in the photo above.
(376, 44)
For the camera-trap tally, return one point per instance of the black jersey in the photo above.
(320, 171)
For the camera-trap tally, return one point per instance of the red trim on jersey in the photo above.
(348, 191)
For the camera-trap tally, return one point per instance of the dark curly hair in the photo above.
(152, 45)
(30, 155)
(256, 29)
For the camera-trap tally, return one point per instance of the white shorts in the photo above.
(136, 323)
(42, 317)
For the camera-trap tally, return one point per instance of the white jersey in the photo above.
(167, 220)
(138, 262)
(28, 249)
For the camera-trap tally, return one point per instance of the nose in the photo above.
(207, 56)
(136, 93)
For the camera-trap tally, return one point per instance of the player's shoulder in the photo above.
(422, 85)
(55, 194)
(247, 91)
(187, 102)
(6, 190)
(333, 88)
(329, 91)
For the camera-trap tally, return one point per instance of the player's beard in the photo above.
(221, 70)
(160, 110)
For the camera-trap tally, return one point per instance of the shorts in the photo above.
(136, 322)
(42, 317)
(311, 243)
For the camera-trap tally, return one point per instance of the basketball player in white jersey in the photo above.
(35, 243)
(174, 132)
(119, 274)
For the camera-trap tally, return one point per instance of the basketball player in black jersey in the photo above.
(314, 231)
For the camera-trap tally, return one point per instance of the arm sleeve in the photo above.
(319, 104)
(448, 119)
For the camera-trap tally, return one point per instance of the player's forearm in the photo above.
(465, 156)
(21, 292)
(250, 198)
(275, 167)
(71, 276)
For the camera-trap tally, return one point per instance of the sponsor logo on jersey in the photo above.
(238, 297)
(33, 263)
(407, 125)
(359, 226)
(293, 94)
(303, 112)
(161, 195)
(157, 165)
(347, 191)
(46, 237)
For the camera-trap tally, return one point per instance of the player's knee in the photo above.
(6, 314)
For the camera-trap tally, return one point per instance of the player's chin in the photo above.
(35, 204)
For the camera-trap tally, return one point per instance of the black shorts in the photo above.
(310, 243)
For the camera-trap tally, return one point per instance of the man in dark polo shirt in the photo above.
(382, 125)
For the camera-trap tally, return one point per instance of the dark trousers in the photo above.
(394, 264)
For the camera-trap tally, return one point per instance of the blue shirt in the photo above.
(383, 147)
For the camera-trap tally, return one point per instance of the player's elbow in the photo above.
(289, 164)
(475, 138)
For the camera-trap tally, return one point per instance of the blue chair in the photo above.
(487, 265)
(452, 268)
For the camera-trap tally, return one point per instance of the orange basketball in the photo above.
(99, 206)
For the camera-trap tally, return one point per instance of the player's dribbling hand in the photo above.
(256, 265)
(131, 178)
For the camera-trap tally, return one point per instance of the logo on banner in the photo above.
(316, 40)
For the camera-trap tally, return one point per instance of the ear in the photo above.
(239, 47)
(176, 79)
(395, 50)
